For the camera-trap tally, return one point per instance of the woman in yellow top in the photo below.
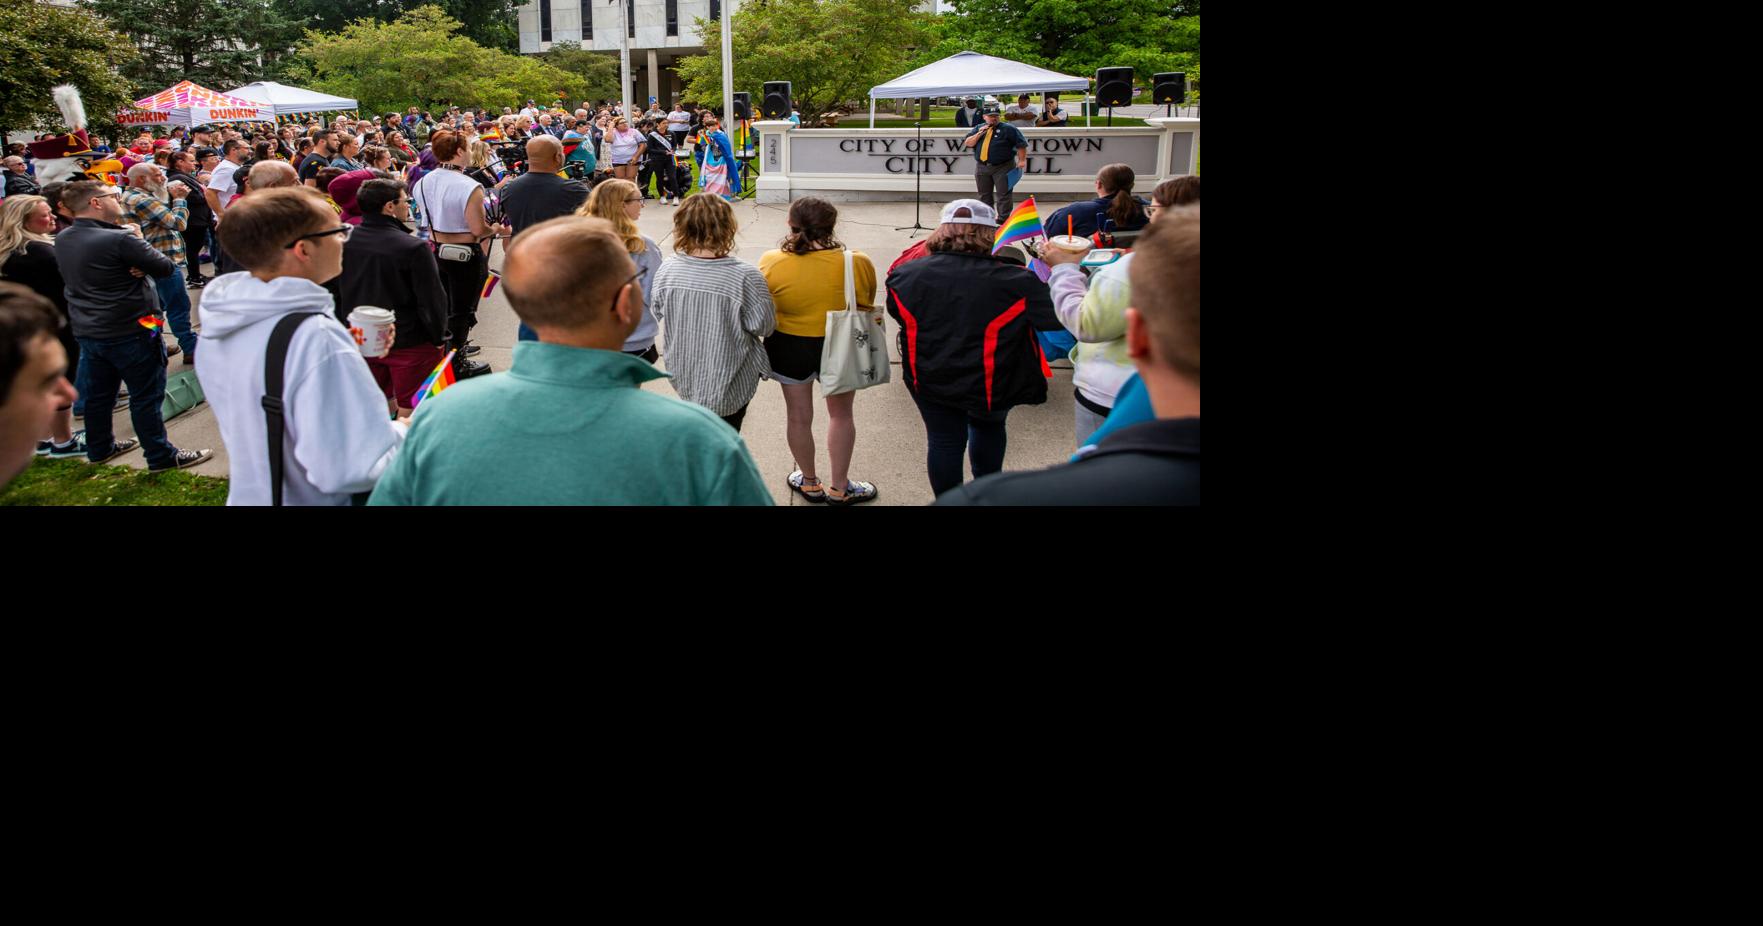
(806, 276)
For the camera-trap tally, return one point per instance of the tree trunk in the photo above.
(924, 109)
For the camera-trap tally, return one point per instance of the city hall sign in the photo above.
(1052, 153)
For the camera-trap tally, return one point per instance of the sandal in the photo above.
(812, 491)
(854, 492)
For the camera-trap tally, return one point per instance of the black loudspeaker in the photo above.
(1113, 86)
(743, 106)
(777, 99)
(1169, 88)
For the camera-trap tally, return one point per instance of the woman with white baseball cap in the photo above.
(967, 341)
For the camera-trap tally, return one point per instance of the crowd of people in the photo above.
(306, 224)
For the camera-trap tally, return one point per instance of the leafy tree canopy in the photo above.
(490, 23)
(598, 70)
(1074, 36)
(45, 45)
(832, 51)
(212, 42)
(421, 59)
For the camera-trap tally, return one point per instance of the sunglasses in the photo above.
(345, 231)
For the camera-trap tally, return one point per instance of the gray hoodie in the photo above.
(339, 434)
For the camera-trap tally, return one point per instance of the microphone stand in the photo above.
(917, 185)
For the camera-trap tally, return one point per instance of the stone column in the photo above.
(655, 79)
(1178, 150)
(773, 184)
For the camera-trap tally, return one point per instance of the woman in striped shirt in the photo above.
(714, 310)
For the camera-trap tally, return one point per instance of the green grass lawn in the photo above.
(76, 482)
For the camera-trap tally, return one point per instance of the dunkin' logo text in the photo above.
(235, 113)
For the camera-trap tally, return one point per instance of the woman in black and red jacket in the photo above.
(968, 350)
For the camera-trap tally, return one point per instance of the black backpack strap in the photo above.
(274, 363)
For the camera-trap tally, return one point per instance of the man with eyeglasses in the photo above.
(386, 267)
(113, 309)
(337, 436)
(500, 440)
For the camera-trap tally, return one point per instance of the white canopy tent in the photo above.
(971, 72)
(283, 100)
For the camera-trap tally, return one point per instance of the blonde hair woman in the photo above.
(620, 202)
(716, 309)
(27, 257)
(484, 166)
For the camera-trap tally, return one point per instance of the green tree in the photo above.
(212, 42)
(45, 45)
(421, 59)
(491, 23)
(598, 70)
(832, 51)
(1075, 36)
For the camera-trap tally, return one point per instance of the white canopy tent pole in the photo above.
(872, 112)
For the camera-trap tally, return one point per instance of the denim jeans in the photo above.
(138, 360)
(174, 301)
(950, 432)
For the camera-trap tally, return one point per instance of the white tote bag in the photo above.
(855, 355)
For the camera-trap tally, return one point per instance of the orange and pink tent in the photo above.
(189, 104)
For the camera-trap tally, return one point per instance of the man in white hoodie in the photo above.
(338, 437)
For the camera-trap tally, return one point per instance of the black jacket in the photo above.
(104, 300)
(532, 198)
(21, 185)
(1155, 463)
(967, 331)
(201, 216)
(385, 266)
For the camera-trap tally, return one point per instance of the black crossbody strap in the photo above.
(274, 363)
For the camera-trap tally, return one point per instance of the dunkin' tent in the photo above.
(283, 100)
(971, 73)
(190, 105)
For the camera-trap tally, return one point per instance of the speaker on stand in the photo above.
(1113, 88)
(917, 185)
(1169, 89)
(775, 103)
(743, 116)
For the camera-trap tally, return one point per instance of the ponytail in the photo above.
(1124, 209)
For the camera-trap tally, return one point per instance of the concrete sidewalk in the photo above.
(890, 448)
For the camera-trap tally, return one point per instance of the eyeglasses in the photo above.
(620, 291)
(345, 231)
(633, 199)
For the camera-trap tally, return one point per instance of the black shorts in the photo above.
(794, 356)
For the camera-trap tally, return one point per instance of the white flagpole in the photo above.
(728, 71)
(624, 63)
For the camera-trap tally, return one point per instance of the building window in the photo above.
(544, 20)
(673, 17)
(587, 23)
(715, 11)
(630, 17)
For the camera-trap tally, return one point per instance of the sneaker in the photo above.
(466, 369)
(184, 460)
(471, 350)
(43, 447)
(117, 449)
(73, 448)
(196, 283)
(854, 492)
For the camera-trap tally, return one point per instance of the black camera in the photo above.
(575, 170)
(512, 154)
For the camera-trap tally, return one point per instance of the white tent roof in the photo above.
(972, 72)
(284, 100)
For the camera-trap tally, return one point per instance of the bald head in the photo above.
(270, 174)
(565, 275)
(544, 154)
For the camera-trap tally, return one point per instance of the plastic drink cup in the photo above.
(372, 328)
(1071, 243)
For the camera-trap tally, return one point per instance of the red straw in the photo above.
(1068, 230)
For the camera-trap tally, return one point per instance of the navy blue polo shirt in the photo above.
(1003, 145)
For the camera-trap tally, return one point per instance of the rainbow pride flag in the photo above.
(1024, 223)
(490, 284)
(440, 379)
(150, 322)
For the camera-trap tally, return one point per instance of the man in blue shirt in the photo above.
(997, 147)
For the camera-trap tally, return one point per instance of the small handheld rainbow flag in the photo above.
(440, 379)
(1024, 223)
(150, 322)
(1041, 270)
(490, 284)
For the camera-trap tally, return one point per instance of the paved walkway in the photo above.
(890, 435)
